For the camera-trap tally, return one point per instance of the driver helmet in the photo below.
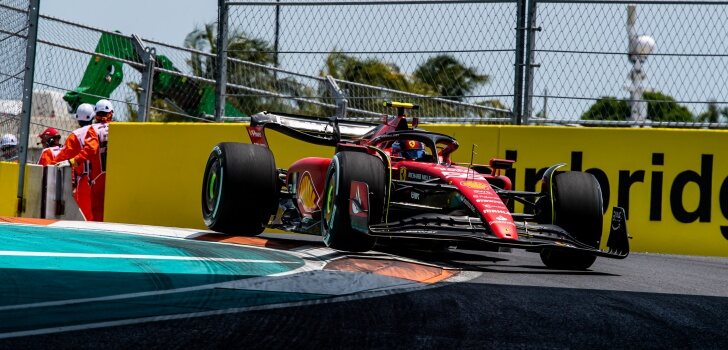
(410, 149)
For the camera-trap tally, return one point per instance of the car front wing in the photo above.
(531, 236)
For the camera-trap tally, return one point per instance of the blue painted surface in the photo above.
(172, 304)
(37, 279)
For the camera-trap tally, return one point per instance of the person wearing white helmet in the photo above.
(75, 141)
(9, 148)
(93, 156)
(85, 114)
(104, 111)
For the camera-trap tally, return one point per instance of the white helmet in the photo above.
(103, 106)
(85, 112)
(8, 140)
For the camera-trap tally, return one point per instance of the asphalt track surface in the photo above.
(645, 301)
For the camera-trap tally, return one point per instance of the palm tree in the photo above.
(366, 71)
(713, 113)
(369, 71)
(243, 47)
(449, 77)
(441, 75)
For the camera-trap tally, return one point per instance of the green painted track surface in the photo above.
(55, 277)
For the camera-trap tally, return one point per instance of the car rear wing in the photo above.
(320, 131)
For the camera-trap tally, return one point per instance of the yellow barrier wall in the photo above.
(8, 188)
(155, 170)
(659, 176)
(155, 173)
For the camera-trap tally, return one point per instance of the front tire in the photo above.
(577, 209)
(239, 189)
(335, 222)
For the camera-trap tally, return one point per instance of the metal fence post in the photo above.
(276, 35)
(530, 46)
(147, 55)
(518, 65)
(33, 14)
(341, 101)
(221, 59)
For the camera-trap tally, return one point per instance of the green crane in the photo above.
(104, 75)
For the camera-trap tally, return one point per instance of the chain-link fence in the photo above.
(453, 58)
(462, 61)
(675, 76)
(80, 64)
(87, 64)
(576, 62)
(13, 34)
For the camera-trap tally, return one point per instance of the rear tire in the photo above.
(239, 189)
(577, 209)
(335, 222)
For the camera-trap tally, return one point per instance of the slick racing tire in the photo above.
(335, 222)
(239, 189)
(577, 209)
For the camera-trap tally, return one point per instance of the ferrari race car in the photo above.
(394, 182)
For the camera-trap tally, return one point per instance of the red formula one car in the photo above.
(393, 182)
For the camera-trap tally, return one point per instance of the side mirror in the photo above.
(501, 163)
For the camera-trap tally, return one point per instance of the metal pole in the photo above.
(636, 70)
(147, 55)
(530, 47)
(221, 72)
(518, 78)
(33, 13)
(340, 95)
(275, 39)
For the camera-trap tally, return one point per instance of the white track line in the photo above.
(135, 256)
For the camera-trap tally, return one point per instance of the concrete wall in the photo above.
(34, 207)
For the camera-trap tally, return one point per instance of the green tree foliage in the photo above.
(365, 71)
(449, 77)
(258, 51)
(668, 111)
(368, 71)
(441, 75)
(713, 114)
(607, 108)
(660, 107)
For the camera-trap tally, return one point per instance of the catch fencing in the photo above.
(14, 28)
(479, 61)
(453, 58)
(535, 61)
(586, 68)
(78, 64)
